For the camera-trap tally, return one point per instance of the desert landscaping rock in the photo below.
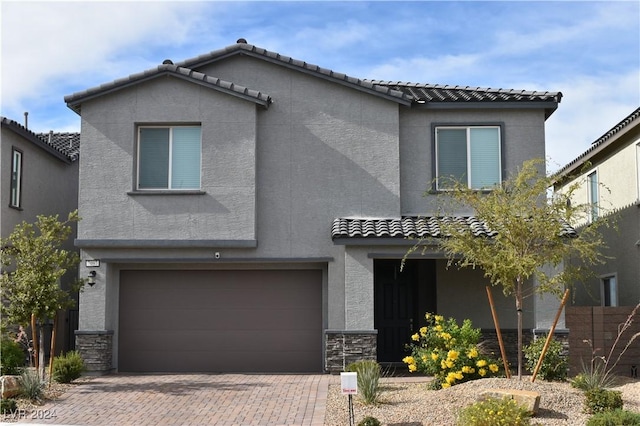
(10, 386)
(528, 399)
(414, 404)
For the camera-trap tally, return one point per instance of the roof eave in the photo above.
(548, 106)
(606, 144)
(74, 101)
(381, 241)
(32, 137)
(313, 70)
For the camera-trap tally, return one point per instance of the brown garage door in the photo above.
(220, 321)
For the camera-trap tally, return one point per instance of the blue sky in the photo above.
(588, 50)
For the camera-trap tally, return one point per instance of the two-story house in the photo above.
(247, 211)
(39, 177)
(607, 176)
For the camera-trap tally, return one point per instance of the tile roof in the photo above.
(243, 48)
(412, 227)
(602, 142)
(65, 146)
(75, 100)
(444, 93)
(400, 92)
(65, 142)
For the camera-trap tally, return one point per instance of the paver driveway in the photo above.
(192, 399)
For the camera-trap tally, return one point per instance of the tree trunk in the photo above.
(34, 340)
(53, 346)
(519, 311)
(41, 365)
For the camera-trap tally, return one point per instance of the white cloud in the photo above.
(585, 49)
(444, 69)
(591, 106)
(69, 41)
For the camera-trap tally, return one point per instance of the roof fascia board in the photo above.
(329, 78)
(75, 104)
(212, 260)
(374, 241)
(548, 106)
(30, 136)
(610, 144)
(294, 67)
(128, 243)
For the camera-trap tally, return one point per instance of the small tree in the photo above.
(33, 263)
(528, 231)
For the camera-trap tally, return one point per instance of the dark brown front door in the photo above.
(401, 299)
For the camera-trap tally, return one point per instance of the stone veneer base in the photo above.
(342, 347)
(96, 349)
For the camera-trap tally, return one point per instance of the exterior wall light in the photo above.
(92, 278)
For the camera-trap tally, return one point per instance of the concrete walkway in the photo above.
(191, 399)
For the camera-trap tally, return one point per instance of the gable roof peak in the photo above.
(75, 100)
(63, 145)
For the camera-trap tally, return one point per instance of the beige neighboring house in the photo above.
(608, 178)
(39, 174)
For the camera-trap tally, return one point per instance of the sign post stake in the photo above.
(349, 386)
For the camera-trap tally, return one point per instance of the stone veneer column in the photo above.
(96, 349)
(342, 347)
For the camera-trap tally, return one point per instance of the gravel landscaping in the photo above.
(413, 404)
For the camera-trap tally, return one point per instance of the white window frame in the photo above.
(612, 290)
(169, 186)
(469, 162)
(594, 211)
(15, 190)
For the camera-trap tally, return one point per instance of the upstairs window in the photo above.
(169, 157)
(469, 155)
(592, 188)
(16, 179)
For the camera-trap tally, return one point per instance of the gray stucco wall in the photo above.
(522, 139)
(49, 185)
(278, 176)
(623, 261)
(110, 210)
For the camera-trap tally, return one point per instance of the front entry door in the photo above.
(401, 299)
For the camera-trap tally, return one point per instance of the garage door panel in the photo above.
(241, 362)
(227, 319)
(235, 321)
(253, 288)
(199, 340)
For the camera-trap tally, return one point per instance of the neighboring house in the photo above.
(39, 177)
(608, 179)
(250, 211)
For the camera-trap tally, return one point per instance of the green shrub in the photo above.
(32, 386)
(369, 421)
(614, 418)
(449, 352)
(369, 373)
(599, 400)
(594, 376)
(11, 357)
(8, 406)
(494, 412)
(554, 365)
(67, 367)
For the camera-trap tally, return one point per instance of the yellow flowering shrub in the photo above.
(494, 412)
(449, 352)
